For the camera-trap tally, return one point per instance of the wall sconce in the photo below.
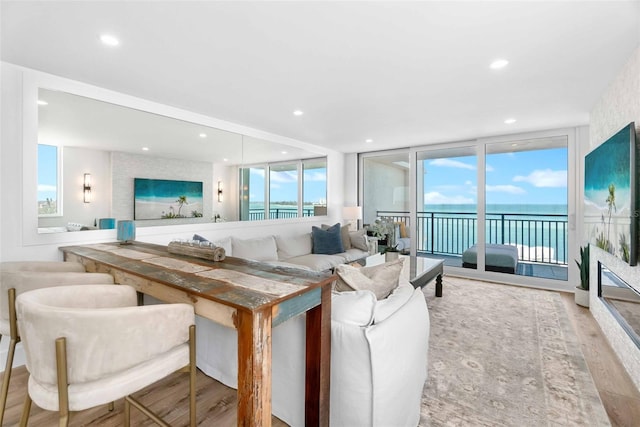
(87, 187)
(220, 191)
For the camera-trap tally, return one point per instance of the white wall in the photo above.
(619, 105)
(18, 131)
(77, 162)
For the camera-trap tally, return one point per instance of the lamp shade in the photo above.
(352, 212)
(126, 231)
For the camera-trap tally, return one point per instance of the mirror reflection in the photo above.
(90, 153)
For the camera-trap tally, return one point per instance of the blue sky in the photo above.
(524, 177)
(47, 158)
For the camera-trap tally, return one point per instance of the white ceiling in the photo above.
(401, 73)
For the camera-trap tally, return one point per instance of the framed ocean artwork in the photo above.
(166, 199)
(610, 195)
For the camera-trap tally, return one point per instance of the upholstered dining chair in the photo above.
(90, 345)
(21, 276)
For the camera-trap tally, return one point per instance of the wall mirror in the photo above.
(90, 151)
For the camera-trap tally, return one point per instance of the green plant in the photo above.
(583, 266)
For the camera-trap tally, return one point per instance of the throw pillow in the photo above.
(327, 242)
(344, 234)
(293, 246)
(359, 240)
(403, 230)
(258, 249)
(380, 279)
(199, 238)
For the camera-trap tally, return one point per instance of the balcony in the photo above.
(279, 213)
(541, 239)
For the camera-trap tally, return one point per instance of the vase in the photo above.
(582, 297)
(391, 256)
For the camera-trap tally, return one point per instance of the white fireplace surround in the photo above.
(623, 345)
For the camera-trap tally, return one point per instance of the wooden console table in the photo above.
(249, 296)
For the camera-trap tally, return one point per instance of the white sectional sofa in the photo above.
(378, 359)
(294, 251)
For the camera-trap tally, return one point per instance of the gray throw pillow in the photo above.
(327, 242)
(358, 240)
(380, 279)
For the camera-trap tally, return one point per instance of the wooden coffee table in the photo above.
(423, 270)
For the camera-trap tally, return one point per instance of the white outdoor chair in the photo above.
(22, 276)
(90, 345)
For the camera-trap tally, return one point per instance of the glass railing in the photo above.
(538, 237)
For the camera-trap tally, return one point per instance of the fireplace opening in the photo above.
(622, 300)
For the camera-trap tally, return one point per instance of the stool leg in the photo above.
(6, 378)
(24, 420)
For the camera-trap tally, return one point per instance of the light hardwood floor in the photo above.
(620, 397)
(216, 403)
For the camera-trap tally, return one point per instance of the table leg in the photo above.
(254, 368)
(439, 285)
(318, 362)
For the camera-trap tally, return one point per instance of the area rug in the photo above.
(505, 356)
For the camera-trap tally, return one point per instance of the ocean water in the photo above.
(539, 231)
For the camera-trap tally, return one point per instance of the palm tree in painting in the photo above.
(611, 204)
(182, 200)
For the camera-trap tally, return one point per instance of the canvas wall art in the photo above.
(610, 211)
(166, 199)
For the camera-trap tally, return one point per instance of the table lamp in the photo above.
(352, 214)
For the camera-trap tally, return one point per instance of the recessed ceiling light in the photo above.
(499, 63)
(145, 148)
(298, 113)
(203, 135)
(369, 140)
(510, 121)
(284, 152)
(225, 160)
(42, 102)
(109, 40)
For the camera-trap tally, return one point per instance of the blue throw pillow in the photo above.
(327, 241)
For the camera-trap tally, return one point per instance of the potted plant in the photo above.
(391, 253)
(582, 290)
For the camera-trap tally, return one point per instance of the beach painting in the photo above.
(166, 199)
(609, 195)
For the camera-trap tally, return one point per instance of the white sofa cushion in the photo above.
(258, 249)
(293, 246)
(354, 308)
(225, 243)
(317, 262)
(392, 303)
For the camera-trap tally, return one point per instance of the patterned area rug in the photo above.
(505, 356)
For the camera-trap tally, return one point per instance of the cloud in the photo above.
(544, 178)
(488, 168)
(284, 177)
(433, 197)
(511, 189)
(448, 163)
(45, 187)
(315, 176)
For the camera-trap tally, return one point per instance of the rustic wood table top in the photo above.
(250, 296)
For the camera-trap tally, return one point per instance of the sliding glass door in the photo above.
(527, 207)
(487, 207)
(447, 209)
